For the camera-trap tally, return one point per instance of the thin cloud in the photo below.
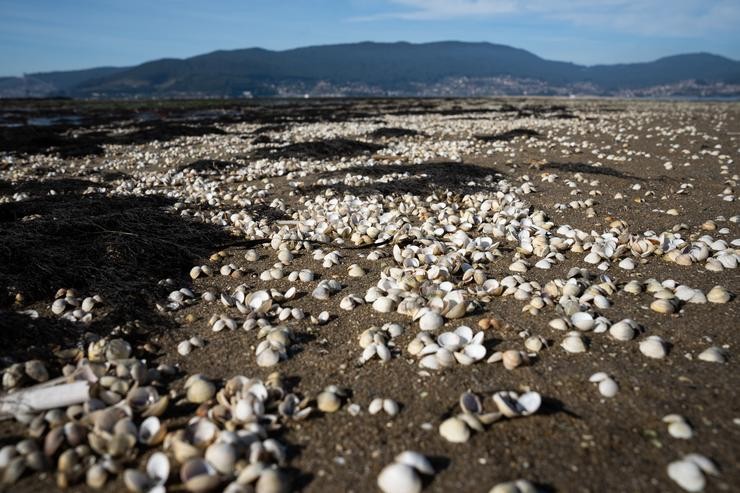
(684, 18)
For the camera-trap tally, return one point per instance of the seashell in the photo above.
(559, 324)
(687, 475)
(512, 359)
(718, 294)
(431, 321)
(390, 407)
(184, 348)
(268, 357)
(608, 387)
(222, 457)
(713, 354)
(200, 391)
(198, 476)
(355, 270)
(517, 486)
(653, 347)
(623, 331)
(328, 402)
(384, 304)
(136, 481)
(273, 480)
(96, 476)
(662, 306)
(195, 272)
(454, 430)
(151, 431)
(415, 460)
(158, 468)
(573, 343)
(376, 405)
(59, 306)
(582, 321)
(626, 264)
(399, 478)
(470, 403)
(117, 349)
(36, 370)
(456, 311)
(678, 427)
(534, 344)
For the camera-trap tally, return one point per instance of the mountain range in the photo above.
(385, 69)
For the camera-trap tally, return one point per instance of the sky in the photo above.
(45, 35)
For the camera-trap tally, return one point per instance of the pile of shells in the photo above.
(460, 346)
(509, 404)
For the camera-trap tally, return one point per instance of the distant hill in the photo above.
(395, 69)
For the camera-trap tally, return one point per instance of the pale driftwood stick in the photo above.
(42, 398)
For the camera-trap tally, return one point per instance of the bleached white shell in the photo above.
(384, 305)
(622, 331)
(454, 430)
(653, 347)
(399, 478)
(431, 321)
(713, 355)
(582, 321)
(687, 475)
(417, 461)
(608, 387)
(573, 343)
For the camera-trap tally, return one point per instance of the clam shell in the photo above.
(454, 430)
(687, 475)
(417, 461)
(198, 476)
(653, 347)
(399, 478)
(273, 480)
(222, 457)
(431, 321)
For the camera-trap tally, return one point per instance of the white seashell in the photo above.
(622, 331)
(558, 324)
(627, 264)
(687, 475)
(431, 321)
(680, 429)
(454, 430)
(222, 457)
(355, 270)
(268, 357)
(573, 343)
(608, 387)
(653, 347)
(582, 321)
(718, 294)
(662, 306)
(399, 478)
(713, 355)
(598, 377)
(376, 405)
(384, 304)
(415, 460)
(390, 407)
(518, 486)
(430, 362)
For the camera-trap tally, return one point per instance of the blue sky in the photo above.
(42, 35)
